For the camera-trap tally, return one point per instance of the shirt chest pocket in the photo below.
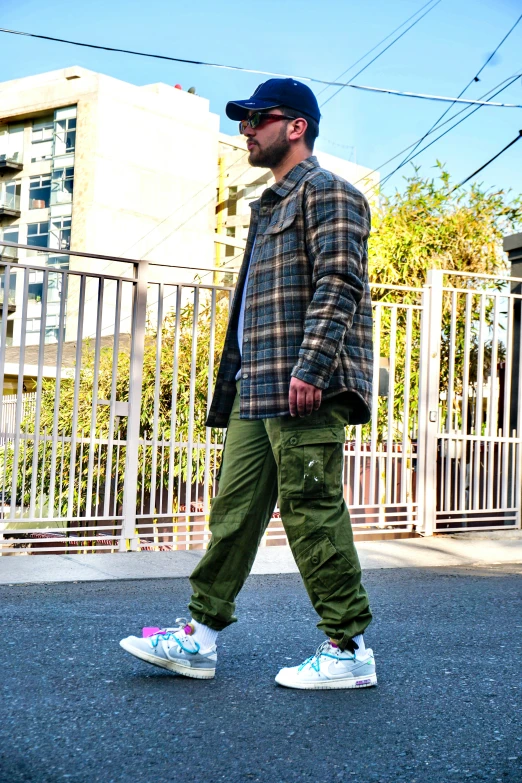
(281, 236)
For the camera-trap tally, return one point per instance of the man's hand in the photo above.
(303, 398)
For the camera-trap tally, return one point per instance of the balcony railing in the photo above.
(9, 204)
(9, 254)
(11, 161)
(11, 299)
(7, 295)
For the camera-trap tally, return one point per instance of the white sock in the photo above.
(206, 637)
(361, 649)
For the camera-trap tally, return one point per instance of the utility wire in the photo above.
(183, 205)
(377, 45)
(326, 88)
(367, 88)
(469, 113)
(383, 51)
(514, 141)
(474, 79)
(507, 82)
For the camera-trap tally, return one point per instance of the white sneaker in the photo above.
(331, 667)
(173, 649)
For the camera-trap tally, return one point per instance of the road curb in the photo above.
(404, 553)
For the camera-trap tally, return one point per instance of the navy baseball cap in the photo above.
(277, 92)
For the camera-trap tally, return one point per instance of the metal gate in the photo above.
(119, 357)
(470, 404)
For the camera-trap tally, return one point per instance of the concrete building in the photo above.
(94, 164)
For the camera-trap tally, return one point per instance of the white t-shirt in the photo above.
(241, 320)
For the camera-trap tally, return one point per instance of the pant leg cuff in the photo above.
(212, 622)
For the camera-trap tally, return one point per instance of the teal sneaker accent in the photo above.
(330, 668)
(175, 650)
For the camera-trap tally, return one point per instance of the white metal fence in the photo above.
(103, 447)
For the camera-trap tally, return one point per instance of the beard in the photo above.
(270, 156)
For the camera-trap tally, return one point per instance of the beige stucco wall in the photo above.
(146, 174)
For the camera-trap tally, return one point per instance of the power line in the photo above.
(514, 141)
(326, 88)
(385, 49)
(323, 90)
(376, 46)
(470, 112)
(344, 146)
(182, 206)
(507, 82)
(367, 88)
(174, 230)
(474, 79)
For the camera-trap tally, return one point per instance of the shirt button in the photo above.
(245, 340)
(314, 559)
(245, 375)
(293, 441)
(249, 306)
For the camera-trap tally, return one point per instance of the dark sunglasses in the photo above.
(258, 118)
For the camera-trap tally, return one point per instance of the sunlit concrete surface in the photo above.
(457, 550)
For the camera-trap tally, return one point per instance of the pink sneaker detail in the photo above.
(150, 630)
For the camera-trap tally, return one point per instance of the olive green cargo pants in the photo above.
(299, 461)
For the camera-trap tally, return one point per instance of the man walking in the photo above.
(296, 369)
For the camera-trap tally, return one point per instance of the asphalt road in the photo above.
(448, 707)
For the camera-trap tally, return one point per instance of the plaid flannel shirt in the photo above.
(308, 308)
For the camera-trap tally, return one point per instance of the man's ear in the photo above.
(299, 128)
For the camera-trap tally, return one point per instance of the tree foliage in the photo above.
(429, 225)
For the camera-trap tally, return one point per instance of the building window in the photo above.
(11, 291)
(58, 262)
(42, 139)
(10, 235)
(40, 192)
(38, 234)
(11, 143)
(230, 251)
(35, 287)
(61, 233)
(54, 291)
(65, 140)
(232, 202)
(62, 187)
(52, 330)
(34, 324)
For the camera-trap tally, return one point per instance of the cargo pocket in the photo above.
(323, 568)
(311, 462)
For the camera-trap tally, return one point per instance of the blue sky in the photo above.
(439, 55)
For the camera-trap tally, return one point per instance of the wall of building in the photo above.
(144, 175)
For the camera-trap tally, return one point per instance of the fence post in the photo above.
(429, 379)
(130, 481)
